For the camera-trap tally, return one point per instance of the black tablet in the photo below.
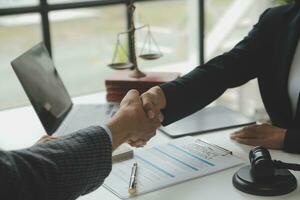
(207, 120)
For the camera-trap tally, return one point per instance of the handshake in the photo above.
(138, 117)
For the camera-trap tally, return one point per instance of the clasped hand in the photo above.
(152, 102)
(138, 117)
(131, 122)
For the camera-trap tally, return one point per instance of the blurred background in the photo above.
(81, 36)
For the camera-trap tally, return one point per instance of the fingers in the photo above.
(242, 134)
(246, 132)
(247, 136)
(250, 141)
(45, 139)
(252, 131)
(49, 139)
(140, 142)
(153, 101)
(149, 103)
(137, 143)
(149, 136)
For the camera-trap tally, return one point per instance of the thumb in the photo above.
(149, 105)
(133, 96)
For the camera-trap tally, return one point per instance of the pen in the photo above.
(132, 181)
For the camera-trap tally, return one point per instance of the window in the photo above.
(81, 37)
(83, 45)
(17, 3)
(176, 32)
(17, 34)
(65, 1)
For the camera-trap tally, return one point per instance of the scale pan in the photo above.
(151, 56)
(121, 66)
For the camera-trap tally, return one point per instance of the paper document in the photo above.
(168, 164)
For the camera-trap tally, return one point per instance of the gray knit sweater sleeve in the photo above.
(59, 170)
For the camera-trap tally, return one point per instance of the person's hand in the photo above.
(45, 139)
(131, 123)
(154, 101)
(261, 135)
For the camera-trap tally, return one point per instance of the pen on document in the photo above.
(132, 181)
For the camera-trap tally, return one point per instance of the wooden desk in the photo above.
(20, 128)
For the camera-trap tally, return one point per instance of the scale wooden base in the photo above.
(120, 83)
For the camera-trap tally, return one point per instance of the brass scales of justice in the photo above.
(150, 49)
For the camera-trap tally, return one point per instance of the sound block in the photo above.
(284, 182)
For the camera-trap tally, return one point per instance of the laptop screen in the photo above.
(43, 86)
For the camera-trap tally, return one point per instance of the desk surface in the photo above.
(20, 128)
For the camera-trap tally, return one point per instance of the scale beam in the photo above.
(132, 59)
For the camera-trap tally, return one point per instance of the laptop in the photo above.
(49, 97)
(209, 119)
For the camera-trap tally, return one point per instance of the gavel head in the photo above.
(262, 167)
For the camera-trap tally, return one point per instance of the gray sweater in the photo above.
(58, 170)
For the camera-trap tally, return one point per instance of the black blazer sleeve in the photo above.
(60, 170)
(204, 84)
(292, 141)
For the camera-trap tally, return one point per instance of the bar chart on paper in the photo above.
(168, 164)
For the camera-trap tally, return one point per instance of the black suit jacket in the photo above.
(59, 170)
(266, 54)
